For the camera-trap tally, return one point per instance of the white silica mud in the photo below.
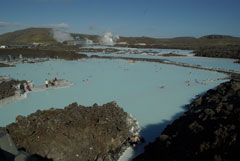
(153, 93)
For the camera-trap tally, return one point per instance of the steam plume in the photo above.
(108, 39)
(61, 36)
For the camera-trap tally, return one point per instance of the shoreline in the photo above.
(18, 96)
(208, 130)
(233, 74)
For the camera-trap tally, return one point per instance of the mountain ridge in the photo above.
(45, 35)
(27, 36)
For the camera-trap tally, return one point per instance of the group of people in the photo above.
(50, 82)
(25, 87)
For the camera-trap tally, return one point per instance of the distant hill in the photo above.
(29, 35)
(45, 35)
(209, 45)
(183, 42)
(184, 38)
(217, 37)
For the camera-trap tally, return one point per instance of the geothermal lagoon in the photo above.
(153, 93)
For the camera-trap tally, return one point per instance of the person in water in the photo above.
(51, 82)
(31, 84)
(54, 81)
(28, 88)
(134, 141)
(46, 83)
(22, 89)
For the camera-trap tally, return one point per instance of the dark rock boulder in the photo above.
(209, 130)
(8, 88)
(97, 133)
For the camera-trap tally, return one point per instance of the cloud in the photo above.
(6, 24)
(57, 26)
(54, 26)
(3, 24)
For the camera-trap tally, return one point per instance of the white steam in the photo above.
(88, 42)
(108, 39)
(61, 36)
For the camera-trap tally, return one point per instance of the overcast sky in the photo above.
(153, 18)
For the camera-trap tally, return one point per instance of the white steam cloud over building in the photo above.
(61, 36)
(109, 39)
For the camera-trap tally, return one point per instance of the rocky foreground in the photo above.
(97, 133)
(209, 131)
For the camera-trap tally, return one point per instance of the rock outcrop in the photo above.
(6, 65)
(9, 152)
(97, 133)
(8, 88)
(230, 51)
(238, 62)
(38, 53)
(209, 130)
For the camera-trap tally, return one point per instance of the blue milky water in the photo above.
(188, 57)
(153, 93)
(135, 87)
